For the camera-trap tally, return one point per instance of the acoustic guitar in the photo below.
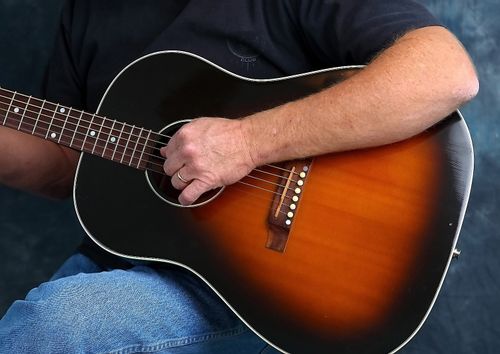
(341, 253)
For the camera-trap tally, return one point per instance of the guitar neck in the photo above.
(79, 130)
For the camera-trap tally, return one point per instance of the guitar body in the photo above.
(370, 240)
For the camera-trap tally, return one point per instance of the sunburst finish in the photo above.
(370, 242)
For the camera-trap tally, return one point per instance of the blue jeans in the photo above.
(86, 309)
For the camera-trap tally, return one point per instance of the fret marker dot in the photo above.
(62, 110)
(53, 135)
(92, 133)
(16, 110)
(112, 139)
(295, 198)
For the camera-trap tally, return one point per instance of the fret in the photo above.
(111, 138)
(8, 109)
(118, 141)
(24, 113)
(35, 115)
(97, 137)
(56, 129)
(15, 112)
(64, 126)
(37, 120)
(18, 112)
(144, 149)
(89, 131)
(102, 137)
(76, 129)
(41, 126)
(135, 146)
(128, 142)
(51, 121)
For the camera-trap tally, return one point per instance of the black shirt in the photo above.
(252, 38)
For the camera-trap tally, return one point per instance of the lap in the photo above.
(141, 309)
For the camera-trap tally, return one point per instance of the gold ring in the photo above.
(181, 178)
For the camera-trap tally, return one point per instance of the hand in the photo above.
(207, 153)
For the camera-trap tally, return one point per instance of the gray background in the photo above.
(36, 234)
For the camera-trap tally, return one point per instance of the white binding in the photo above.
(455, 241)
(462, 213)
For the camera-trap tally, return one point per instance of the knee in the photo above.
(58, 314)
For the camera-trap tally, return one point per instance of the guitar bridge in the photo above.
(284, 206)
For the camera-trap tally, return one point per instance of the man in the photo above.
(417, 73)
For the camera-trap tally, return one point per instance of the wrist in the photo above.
(250, 137)
(263, 138)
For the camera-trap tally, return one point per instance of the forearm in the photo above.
(413, 84)
(36, 165)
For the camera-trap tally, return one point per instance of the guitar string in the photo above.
(148, 162)
(90, 122)
(55, 118)
(241, 182)
(131, 134)
(97, 138)
(162, 172)
(234, 186)
(241, 190)
(24, 122)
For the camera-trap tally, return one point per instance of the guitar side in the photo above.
(370, 242)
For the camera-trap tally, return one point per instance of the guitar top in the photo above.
(342, 253)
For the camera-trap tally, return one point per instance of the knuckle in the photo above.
(197, 166)
(175, 184)
(170, 145)
(165, 168)
(184, 133)
(168, 169)
(189, 150)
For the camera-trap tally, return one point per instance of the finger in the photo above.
(170, 148)
(177, 182)
(193, 191)
(163, 151)
(172, 164)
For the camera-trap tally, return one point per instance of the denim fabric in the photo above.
(86, 309)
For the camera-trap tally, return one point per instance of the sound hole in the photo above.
(161, 184)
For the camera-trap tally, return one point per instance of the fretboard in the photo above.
(110, 139)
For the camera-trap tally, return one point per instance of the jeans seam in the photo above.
(178, 342)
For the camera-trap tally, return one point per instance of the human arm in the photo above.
(36, 165)
(421, 78)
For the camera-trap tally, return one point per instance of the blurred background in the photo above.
(36, 234)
